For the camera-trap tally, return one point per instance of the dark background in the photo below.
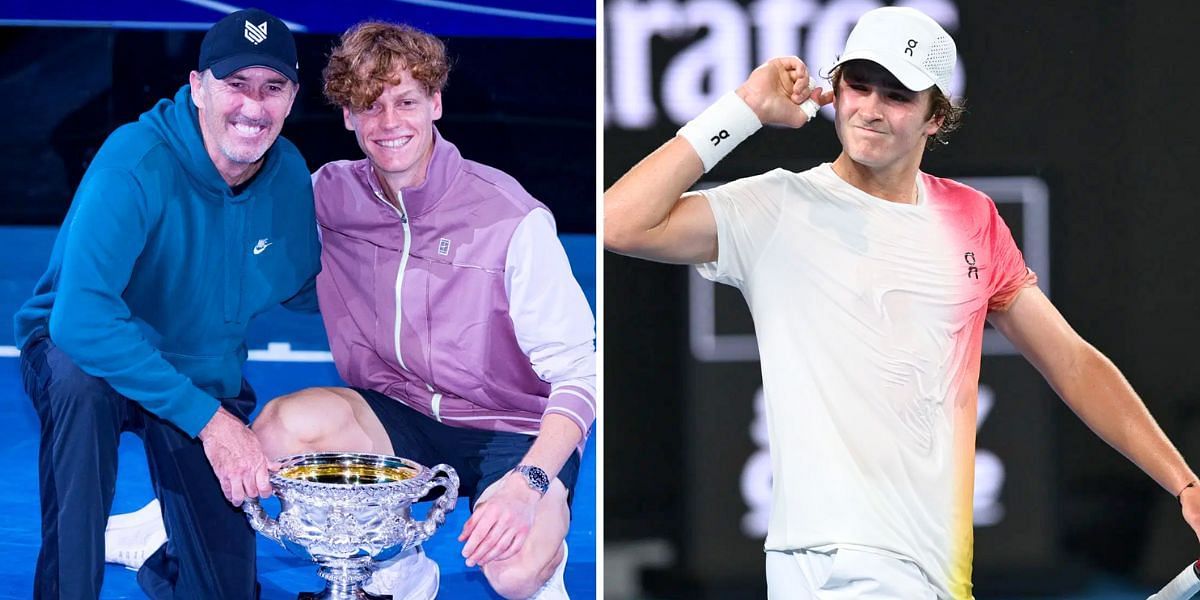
(1096, 99)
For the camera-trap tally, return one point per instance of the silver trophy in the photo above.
(345, 510)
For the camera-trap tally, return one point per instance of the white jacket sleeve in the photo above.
(554, 325)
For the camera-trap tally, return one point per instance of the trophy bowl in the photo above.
(346, 510)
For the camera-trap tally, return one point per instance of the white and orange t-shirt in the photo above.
(869, 316)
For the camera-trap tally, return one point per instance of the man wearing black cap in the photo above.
(188, 223)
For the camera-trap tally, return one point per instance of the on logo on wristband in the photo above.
(731, 118)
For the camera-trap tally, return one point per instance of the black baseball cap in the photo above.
(249, 38)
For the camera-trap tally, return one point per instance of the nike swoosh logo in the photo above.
(261, 247)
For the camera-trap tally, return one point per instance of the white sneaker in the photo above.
(131, 538)
(554, 588)
(408, 576)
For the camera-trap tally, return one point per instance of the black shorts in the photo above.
(481, 457)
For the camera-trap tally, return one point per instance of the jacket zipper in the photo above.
(402, 212)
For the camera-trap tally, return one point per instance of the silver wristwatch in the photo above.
(535, 477)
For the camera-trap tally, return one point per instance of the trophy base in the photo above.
(345, 577)
(328, 594)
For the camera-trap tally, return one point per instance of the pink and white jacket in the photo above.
(460, 302)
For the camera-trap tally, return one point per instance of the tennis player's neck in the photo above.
(895, 184)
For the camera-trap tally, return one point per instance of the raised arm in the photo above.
(647, 213)
(1096, 391)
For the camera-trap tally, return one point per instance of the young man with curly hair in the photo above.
(453, 316)
(869, 283)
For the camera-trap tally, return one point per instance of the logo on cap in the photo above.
(256, 33)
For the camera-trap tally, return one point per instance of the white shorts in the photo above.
(844, 573)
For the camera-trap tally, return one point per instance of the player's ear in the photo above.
(936, 116)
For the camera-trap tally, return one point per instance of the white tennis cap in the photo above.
(907, 43)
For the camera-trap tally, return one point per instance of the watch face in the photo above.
(536, 477)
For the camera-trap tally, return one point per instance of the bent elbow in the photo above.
(619, 230)
(628, 243)
(64, 333)
(615, 239)
(74, 327)
(622, 236)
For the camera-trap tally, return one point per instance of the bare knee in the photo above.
(310, 420)
(517, 579)
(512, 581)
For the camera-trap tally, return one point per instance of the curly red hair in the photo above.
(373, 54)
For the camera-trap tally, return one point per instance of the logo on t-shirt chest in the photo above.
(972, 268)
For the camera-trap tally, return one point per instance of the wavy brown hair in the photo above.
(939, 105)
(373, 54)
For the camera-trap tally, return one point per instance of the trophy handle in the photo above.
(261, 521)
(444, 504)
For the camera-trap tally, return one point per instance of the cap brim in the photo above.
(230, 65)
(909, 75)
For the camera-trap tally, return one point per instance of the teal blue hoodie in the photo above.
(159, 266)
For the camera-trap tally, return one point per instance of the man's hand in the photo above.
(236, 458)
(1190, 501)
(777, 88)
(498, 527)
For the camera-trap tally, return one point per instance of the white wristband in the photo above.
(720, 128)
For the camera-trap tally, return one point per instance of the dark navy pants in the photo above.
(210, 553)
(479, 456)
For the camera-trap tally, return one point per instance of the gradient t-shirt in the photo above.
(869, 316)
